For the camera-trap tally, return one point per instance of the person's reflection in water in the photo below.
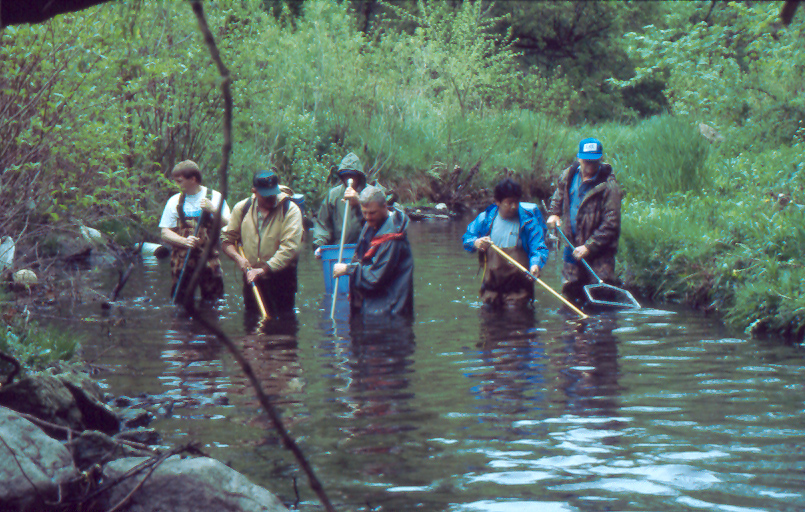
(377, 396)
(272, 352)
(512, 379)
(195, 376)
(588, 368)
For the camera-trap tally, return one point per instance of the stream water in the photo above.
(462, 410)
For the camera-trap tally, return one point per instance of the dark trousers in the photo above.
(278, 291)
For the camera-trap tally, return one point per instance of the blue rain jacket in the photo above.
(532, 231)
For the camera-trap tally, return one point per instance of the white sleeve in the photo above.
(170, 216)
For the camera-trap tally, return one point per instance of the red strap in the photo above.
(374, 245)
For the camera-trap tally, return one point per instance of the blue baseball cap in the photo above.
(590, 149)
(266, 183)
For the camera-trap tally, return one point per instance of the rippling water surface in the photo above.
(462, 410)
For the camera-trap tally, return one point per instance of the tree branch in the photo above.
(187, 300)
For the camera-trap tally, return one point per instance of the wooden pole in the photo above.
(540, 281)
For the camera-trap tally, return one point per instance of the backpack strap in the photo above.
(246, 209)
(180, 208)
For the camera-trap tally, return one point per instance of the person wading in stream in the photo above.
(269, 226)
(587, 208)
(381, 274)
(341, 200)
(179, 221)
(519, 230)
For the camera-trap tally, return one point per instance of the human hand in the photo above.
(317, 253)
(483, 243)
(580, 252)
(192, 242)
(553, 221)
(340, 269)
(206, 205)
(244, 264)
(535, 270)
(351, 196)
(253, 273)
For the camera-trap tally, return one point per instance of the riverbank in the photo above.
(733, 249)
(71, 447)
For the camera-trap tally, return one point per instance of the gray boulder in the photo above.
(70, 399)
(187, 485)
(32, 465)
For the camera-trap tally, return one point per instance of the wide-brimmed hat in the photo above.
(591, 149)
(266, 183)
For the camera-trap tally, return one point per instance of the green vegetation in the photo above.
(97, 107)
(33, 346)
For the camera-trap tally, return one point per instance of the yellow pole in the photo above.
(540, 281)
(256, 290)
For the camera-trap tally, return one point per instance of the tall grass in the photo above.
(661, 156)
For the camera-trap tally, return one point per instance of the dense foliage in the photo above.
(97, 106)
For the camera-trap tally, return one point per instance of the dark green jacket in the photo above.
(330, 220)
(598, 221)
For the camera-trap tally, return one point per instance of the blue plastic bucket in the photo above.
(329, 257)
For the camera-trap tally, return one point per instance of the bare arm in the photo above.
(176, 240)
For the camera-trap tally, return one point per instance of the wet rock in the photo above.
(220, 399)
(133, 418)
(93, 447)
(69, 399)
(147, 436)
(187, 485)
(122, 401)
(166, 409)
(96, 415)
(32, 465)
(45, 397)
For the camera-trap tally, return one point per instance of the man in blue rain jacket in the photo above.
(519, 230)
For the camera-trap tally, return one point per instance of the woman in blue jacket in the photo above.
(519, 230)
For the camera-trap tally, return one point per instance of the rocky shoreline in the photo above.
(68, 447)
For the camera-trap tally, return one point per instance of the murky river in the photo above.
(461, 410)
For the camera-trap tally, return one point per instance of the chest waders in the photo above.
(503, 284)
(211, 281)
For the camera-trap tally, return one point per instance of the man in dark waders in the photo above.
(269, 226)
(587, 208)
(519, 230)
(195, 203)
(381, 274)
